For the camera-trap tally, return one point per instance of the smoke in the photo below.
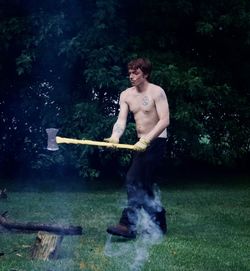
(113, 250)
(150, 234)
(134, 254)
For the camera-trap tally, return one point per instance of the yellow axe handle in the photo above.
(65, 140)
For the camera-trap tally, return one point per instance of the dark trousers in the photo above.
(140, 185)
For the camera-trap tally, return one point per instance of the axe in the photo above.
(54, 140)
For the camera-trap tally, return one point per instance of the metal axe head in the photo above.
(52, 145)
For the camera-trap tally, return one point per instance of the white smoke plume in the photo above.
(135, 253)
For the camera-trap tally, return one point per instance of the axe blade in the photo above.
(52, 144)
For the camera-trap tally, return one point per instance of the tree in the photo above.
(57, 55)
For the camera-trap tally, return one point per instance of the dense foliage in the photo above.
(63, 64)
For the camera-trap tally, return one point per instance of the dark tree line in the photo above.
(63, 64)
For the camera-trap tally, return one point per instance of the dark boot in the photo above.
(127, 225)
(122, 230)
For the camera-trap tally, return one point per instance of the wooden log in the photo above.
(34, 227)
(46, 246)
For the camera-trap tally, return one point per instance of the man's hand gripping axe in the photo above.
(54, 140)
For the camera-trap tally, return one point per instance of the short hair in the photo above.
(141, 63)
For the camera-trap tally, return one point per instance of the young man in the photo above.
(149, 105)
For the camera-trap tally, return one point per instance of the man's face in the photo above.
(136, 77)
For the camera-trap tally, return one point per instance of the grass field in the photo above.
(209, 227)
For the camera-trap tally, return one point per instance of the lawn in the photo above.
(209, 227)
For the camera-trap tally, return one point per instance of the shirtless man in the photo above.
(149, 105)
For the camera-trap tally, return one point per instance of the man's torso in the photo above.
(143, 107)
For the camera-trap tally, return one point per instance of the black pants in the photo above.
(140, 184)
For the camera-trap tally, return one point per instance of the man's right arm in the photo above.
(120, 125)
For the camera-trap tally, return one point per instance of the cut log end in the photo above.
(46, 246)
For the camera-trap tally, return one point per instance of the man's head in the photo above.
(143, 64)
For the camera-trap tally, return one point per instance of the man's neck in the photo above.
(142, 87)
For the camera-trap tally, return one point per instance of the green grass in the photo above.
(209, 228)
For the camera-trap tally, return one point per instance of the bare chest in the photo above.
(141, 103)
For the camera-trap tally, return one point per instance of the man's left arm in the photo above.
(162, 108)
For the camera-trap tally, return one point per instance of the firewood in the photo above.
(46, 246)
(34, 227)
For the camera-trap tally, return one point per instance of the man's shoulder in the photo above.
(155, 89)
(127, 92)
(124, 96)
(158, 94)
